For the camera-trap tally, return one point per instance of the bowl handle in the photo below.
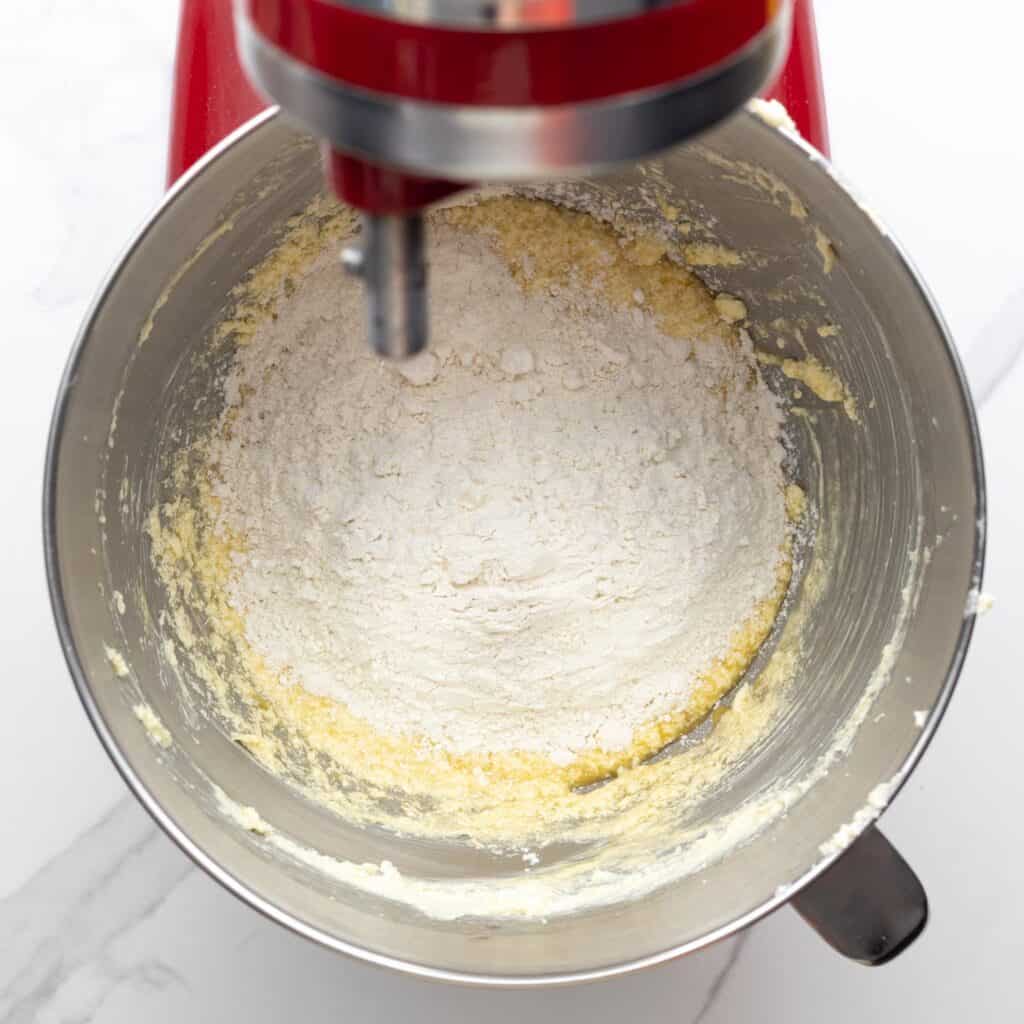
(869, 905)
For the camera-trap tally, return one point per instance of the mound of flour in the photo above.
(533, 536)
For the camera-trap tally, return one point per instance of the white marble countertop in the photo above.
(102, 919)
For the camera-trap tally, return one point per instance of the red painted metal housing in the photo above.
(540, 67)
(212, 95)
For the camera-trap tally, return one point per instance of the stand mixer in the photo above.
(882, 634)
(416, 100)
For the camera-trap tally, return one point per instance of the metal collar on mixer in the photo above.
(483, 143)
(505, 14)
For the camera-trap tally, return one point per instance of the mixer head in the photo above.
(415, 99)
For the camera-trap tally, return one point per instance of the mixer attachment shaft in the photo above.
(391, 262)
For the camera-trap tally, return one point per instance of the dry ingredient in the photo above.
(543, 534)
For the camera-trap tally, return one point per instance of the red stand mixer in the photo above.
(415, 101)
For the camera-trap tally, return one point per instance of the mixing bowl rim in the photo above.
(267, 907)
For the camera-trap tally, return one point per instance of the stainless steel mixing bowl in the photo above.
(906, 478)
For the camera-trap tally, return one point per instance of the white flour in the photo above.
(532, 537)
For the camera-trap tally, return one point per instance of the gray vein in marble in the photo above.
(997, 350)
(721, 978)
(61, 948)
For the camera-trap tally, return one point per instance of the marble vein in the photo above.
(721, 978)
(65, 936)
